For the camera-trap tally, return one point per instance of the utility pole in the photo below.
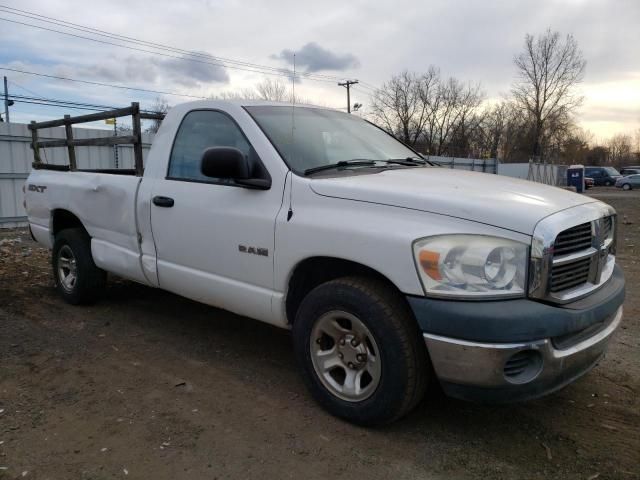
(115, 147)
(6, 101)
(347, 84)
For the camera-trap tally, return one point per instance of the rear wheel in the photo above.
(608, 183)
(626, 186)
(76, 276)
(362, 355)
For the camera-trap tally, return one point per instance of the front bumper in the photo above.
(513, 350)
(483, 371)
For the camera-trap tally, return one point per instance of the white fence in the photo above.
(536, 172)
(540, 172)
(487, 165)
(16, 157)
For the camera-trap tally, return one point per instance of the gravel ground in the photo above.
(146, 384)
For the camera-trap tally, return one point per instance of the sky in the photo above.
(474, 41)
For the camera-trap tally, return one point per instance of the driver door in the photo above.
(214, 239)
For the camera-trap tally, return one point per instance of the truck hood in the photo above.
(496, 200)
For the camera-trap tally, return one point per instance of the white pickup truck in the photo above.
(390, 272)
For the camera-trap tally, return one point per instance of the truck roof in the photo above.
(213, 103)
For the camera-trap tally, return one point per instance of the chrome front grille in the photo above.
(607, 227)
(569, 275)
(569, 263)
(573, 240)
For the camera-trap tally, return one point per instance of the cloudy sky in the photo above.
(367, 40)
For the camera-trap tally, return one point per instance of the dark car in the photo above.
(630, 171)
(606, 176)
(629, 182)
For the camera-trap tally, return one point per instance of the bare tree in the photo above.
(431, 97)
(434, 115)
(515, 138)
(597, 155)
(549, 69)
(401, 105)
(620, 147)
(428, 90)
(273, 90)
(574, 146)
(490, 132)
(160, 105)
(244, 94)
(268, 89)
(455, 116)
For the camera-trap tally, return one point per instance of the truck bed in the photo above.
(106, 203)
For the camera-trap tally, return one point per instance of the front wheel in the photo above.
(362, 355)
(626, 186)
(76, 276)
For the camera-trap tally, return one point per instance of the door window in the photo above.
(202, 129)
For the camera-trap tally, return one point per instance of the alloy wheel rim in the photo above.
(67, 268)
(345, 356)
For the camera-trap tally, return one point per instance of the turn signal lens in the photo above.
(429, 263)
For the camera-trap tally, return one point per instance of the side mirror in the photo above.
(229, 162)
(225, 162)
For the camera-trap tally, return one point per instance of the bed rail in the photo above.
(135, 139)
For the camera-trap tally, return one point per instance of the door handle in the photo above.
(166, 202)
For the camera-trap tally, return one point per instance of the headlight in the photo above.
(471, 266)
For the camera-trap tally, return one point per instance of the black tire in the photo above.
(89, 280)
(626, 186)
(405, 366)
(608, 183)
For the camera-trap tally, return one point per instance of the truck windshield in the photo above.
(312, 137)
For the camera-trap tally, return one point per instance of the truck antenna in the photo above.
(293, 128)
(293, 100)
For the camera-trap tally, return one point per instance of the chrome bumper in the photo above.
(460, 363)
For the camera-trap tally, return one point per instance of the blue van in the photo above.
(606, 176)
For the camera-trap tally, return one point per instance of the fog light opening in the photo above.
(523, 366)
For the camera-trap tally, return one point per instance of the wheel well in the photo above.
(312, 272)
(63, 219)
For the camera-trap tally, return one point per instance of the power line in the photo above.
(368, 93)
(23, 88)
(66, 104)
(368, 86)
(101, 84)
(115, 36)
(141, 49)
(48, 104)
(177, 57)
(62, 102)
(103, 33)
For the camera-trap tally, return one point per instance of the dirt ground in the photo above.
(146, 384)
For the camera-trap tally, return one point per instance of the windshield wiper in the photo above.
(340, 164)
(409, 161)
